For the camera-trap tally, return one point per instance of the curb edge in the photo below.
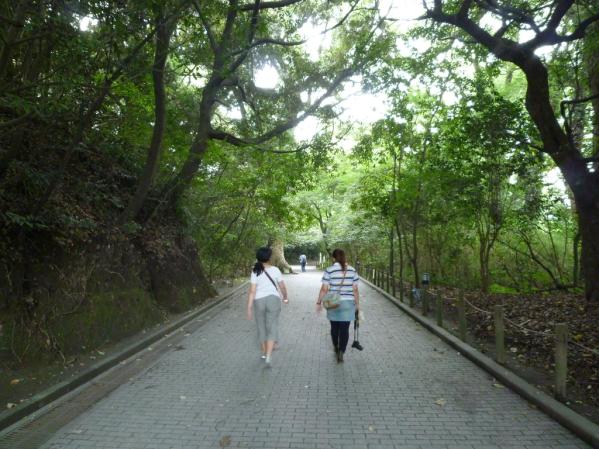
(51, 394)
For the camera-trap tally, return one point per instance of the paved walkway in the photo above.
(407, 389)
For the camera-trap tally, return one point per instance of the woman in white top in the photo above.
(264, 301)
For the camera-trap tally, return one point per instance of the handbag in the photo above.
(332, 300)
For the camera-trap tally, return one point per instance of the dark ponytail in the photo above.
(339, 256)
(262, 255)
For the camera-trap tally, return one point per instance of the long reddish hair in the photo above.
(339, 256)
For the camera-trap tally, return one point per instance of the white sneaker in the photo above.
(263, 356)
(268, 361)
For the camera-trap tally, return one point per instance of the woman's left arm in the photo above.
(284, 291)
(356, 296)
(251, 297)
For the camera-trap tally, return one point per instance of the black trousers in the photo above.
(340, 334)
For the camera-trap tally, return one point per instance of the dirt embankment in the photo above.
(72, 277)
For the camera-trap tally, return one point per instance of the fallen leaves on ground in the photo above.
(535, 347)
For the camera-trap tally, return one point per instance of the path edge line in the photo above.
(51, 394)
(578, 424)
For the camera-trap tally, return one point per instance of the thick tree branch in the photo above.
(206, 25)
(502, 48)
(14, 23)
(559, 12)
(510, 13)
(289, 124)
(566, 115)
(580, 31)
(269, 5)
(250, 39)
(268, 41)
(342, 76)
(343, 19)
(464, 9)
(228, 29)
(550, 35)
(15, 121)
(239, 142)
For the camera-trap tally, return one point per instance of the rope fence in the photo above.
(477, 308)
(592, 351)
(424, 299)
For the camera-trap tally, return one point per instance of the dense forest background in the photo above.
(144, 154)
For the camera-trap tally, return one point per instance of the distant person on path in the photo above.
(343, 278)
(264, 301)
(303, 260)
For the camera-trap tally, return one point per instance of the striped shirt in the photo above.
(333, 276)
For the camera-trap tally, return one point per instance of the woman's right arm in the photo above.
(251, 297)
(324, 288)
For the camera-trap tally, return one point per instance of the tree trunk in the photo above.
(173, 190)
(583, 182)
(86, 121)
(485, 277)
(163, 35)
(401, 262)
(556, 143)
(414, 253)
(591, 59)
(401, 265)
(278, 256)
(323, 224)
(588, 219)
(391, 252)
(12, 35)
(576, 259)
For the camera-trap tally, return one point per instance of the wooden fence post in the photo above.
(411, 295)
(462, 317)
(424, 297)
(561, 360)
(499, 335)
(393, 287)
(401, 291)
(388, 289)
(439, 310)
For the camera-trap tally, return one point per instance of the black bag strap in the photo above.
(271, 280)
(342, 281)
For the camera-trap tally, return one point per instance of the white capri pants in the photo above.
(267, 311)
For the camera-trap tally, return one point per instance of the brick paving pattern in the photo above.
(407, 389)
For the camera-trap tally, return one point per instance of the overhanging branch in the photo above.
(268, 41)
(269, 5)
(207, 26)
(239, 142)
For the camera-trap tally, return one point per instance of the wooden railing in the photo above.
(429, 303)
